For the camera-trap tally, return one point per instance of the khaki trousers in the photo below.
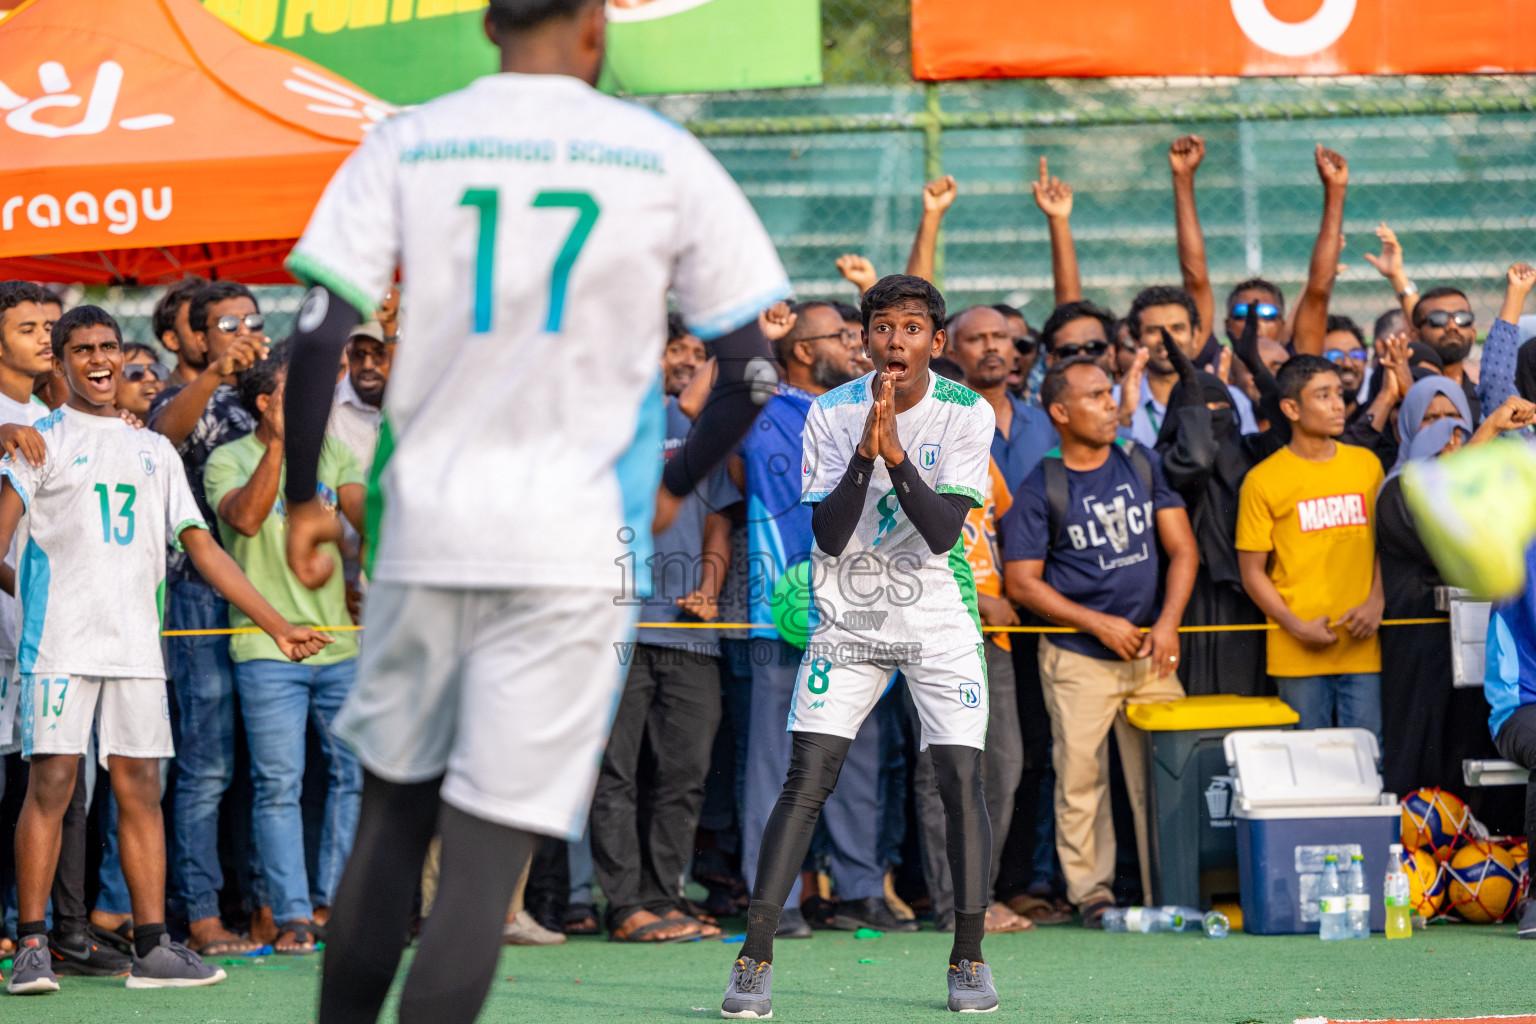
(1086, 697)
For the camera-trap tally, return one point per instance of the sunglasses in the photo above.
(230, 324)
(1093, 349)
(1263, 310)
(1441, 317)
(135, 372)
(1338, 356)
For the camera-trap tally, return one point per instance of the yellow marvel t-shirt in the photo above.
(1319, 521)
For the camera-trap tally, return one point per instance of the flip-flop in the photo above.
(226, 947)
(303, 934)
(707, 929)
(638, 935)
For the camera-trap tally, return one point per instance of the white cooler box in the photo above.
(1300, 796)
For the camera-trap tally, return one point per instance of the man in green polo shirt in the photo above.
(279, 698)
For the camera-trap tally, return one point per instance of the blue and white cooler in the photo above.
(1298, 797)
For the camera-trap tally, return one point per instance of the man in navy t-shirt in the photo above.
(1092, 563)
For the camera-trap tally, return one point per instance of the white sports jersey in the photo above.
(100, 512)
(14, 412)
(538, 225)
(888, 588)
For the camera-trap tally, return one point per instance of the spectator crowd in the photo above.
(1199, 461)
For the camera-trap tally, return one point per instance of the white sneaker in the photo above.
(523, 930)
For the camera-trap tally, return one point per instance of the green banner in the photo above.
(408, 51)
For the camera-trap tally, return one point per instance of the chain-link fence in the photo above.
(1449, 162)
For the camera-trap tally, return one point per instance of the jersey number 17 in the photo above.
(488, 202)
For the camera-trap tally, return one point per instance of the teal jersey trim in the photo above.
(639, 474)
(946, 390)
(976, 496)
(32, 578)
(852, 393)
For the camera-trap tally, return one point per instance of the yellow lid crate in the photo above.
(1216, 711)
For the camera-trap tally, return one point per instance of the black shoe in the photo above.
(1527, 928)
(851, 915)
(817, 912)
(79, 955)
(792, 925)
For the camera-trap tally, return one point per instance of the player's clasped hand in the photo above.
(1122, 636)
(309, 526)
(880, 437)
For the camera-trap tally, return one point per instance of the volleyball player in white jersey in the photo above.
(538, 226)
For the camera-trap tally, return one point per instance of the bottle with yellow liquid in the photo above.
(1396, 895)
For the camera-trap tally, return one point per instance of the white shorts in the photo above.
(508, 694)
(132, 716)
(10, 696)
(949, 690)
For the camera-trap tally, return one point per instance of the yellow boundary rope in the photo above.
(1242, 628)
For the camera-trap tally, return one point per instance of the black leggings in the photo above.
(815, 761)
(461, 942)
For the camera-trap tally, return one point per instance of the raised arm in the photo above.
(1390, 266)
(1311, 323)
(1184, 158)
(1501, 349)
(857, 271)
(937, 197)
(180, 414)
(1054, 197)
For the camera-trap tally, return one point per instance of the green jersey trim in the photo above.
(946, 390)
(312, 271)
(965, 580)
(373, 504)
(969, 492)
(185, 524)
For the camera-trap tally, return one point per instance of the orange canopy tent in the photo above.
(141, 140)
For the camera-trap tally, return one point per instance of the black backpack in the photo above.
(1057, 492)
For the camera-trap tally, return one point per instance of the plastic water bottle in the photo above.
(1331, 903)
(1144, 920)
(1358, 900)
(1397, 895)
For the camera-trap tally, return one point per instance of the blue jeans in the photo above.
(1351, 700)
(277, 699)
(203, 685)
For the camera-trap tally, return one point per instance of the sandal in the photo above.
(707, 929)
(236, 946)
(303, 933)
(1001, 919)
(1037, 910)
(638, 936)
(582, 920)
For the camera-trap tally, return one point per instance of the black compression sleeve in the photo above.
(938, 517)
(319, 338)
(747, 377)
(836, 516)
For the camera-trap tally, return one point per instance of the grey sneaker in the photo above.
(750, 993)
(1527, 926)
(31, 969)
(970, 988)
(172, 965)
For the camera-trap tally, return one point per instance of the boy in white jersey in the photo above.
(537, 226)
(894, 462)
(25, 353)
(95, 519)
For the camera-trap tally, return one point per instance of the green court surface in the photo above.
(1056, 974)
